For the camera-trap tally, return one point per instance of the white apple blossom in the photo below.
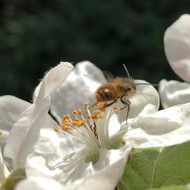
(177, 49)
(9, 113)
(92, 154)
(4, 172)
(25, 119)
(21, 121)
(35, 183)
(69, 161)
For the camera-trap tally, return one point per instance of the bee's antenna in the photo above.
(126, 71)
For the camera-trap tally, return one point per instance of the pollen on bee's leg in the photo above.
(1, 132)
(56, 128)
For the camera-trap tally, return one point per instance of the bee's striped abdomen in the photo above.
(105, 94)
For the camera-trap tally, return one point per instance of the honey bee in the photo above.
(118, 88)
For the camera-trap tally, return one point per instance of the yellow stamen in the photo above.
(75, 112)
(101, 115)
(96, 112)
(74, 123)
(84, 121)
(66, 116)
(86, 105)
(80, 112)
(81, 123)
(56, 128)
(117, 109)
(88, 117)
(66, 122)
(66, 128)
(94, 117)
(103, 109)
(77, 119)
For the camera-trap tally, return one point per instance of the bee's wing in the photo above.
(109, 76)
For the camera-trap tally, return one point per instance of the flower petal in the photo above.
(26, 130)
(109, 170)
(50, 150)
(39, 184)
(51, 160)
(164, 128)
(10, 109)
(3, 169)
(177, 46)
(148, 95)
(77, 89)
(54, 79)
(174, 92)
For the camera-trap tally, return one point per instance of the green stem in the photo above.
(121, 186)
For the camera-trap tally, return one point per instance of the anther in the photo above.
(86, 105)
(74, 123)
(117, 109)
(56, 128)
(66, 122)
(96, 112)
(81, 123)
(75, 112)
(101, 115)
(88, 117)
(80, 112)
(84, 121)
(66, 128)
(77, 119)
(94, 117)
(66, 116)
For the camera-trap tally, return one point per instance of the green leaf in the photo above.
(157, 167)
(13, 179)
(180, 187)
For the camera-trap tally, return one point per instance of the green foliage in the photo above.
(158, 167)
(36, 35)
(180, 187)
(16, 176)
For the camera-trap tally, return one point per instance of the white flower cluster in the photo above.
(88, 149)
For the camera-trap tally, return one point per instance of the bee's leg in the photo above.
(93, 105)
(123, 107)
(127, 104)
(107, 105)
